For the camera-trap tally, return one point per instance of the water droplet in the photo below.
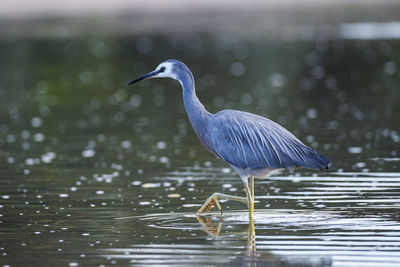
(207, 163)
(25, 134)
(10, 138)
(174, 195)
(161, 145)
(36, 122)
(126, 144)
(360, 165)
(151, 185)
(48, 157)
(135, 101)
(318, 72)
(389, 68)
(277, 80)
(191, 205)
(38, 137)
(164, 160)
(246, 99)
(10, 160)
(312, 113)
(354, 150)
(226, 170)
(88, 153)
(29, 161)
(237, 69)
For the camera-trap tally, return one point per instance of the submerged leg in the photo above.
(213, 199)
(251, 239)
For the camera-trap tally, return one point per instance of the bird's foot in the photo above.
(213, 199)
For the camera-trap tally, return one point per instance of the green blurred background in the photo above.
(79, 148)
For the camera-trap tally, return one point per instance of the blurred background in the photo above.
(79, 149)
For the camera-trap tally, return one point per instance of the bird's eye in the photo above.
(162, 69)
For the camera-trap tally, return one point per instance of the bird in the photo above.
(254, 146)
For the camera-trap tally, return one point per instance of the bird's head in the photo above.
(168, 69)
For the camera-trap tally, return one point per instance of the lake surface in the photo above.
(95, 172)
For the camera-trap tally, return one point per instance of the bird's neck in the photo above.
(196, 112)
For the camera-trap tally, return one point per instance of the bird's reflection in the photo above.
(251, 239)
(251, 258)
(214, 229)
(208, 225)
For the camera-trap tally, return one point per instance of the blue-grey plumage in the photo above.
(247, 140)
(253, 145)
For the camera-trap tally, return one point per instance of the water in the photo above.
(95, 172)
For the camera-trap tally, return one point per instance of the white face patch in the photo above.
(168, 71)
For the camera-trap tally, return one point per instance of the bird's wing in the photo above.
(247, 140)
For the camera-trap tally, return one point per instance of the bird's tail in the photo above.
(314, 160)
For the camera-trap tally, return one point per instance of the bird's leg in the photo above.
(252, 187)
(250, 195)
(249, 199)
(213, 199)
(251, 239)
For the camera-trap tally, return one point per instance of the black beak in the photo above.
(144, 77)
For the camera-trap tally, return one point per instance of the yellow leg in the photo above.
(213, 199)
(249, 199)
(250, 196)
(252, 187)
(251, 239)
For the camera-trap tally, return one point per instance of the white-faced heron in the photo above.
(252, 145)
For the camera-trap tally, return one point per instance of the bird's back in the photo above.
(249, 141)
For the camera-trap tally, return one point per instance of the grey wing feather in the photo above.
(247, 140)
